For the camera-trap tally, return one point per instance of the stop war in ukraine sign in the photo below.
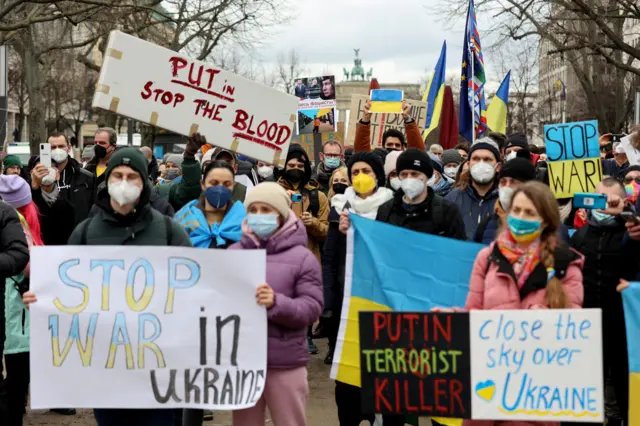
(158, 86)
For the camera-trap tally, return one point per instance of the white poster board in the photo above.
(134, 327)
(158, 86)
(537, 365)
(633, 155)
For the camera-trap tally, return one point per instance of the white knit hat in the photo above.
(390, 162)
(272, 194)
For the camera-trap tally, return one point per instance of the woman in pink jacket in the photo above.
(525, 268)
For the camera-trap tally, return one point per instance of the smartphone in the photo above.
(630, 217)
(296, 198)
(584, 200)
(616, 138)
(45, 155)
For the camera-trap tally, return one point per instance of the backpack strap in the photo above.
(437, 211)
(314, 201)
(168, 223)
(84, 231)
(482, 226)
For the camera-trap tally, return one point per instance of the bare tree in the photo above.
(289, 69)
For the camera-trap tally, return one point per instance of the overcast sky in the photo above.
(400, 39)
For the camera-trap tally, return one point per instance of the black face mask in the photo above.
(99, 151)
(294, 176)
(390, 150)
(339, 188)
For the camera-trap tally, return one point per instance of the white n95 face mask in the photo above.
(395, 183)
(482, 172)
(124, 192)
(506, 195)
(59, 155)
(412, 187)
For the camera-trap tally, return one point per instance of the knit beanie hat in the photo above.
(10, 161)
(272, 194)
(486, 143)
(176, 159)
(415, 159)
(131, 157)
(15, 191)
(517, 139)
(519, 169)
(371, 159)
(451, 156)
(390, 162)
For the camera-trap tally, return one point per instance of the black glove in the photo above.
(194, 143)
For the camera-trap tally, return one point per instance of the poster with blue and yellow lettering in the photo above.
(537, 365)
(134, 327)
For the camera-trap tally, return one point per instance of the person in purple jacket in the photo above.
(293, 298)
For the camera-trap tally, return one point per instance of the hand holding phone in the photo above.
(584, 200)
(630, 217)
(296, 198)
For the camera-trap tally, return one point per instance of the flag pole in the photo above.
(473, 95)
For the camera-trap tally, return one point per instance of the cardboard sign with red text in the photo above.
(158, 86)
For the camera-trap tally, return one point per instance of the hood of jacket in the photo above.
(296, 151)
(311, 185)
(292, 233)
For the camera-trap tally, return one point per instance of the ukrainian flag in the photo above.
(434, 94)
(631, 300)
(497, 111)
(386, 100)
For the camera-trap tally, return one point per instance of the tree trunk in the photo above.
(34, 81)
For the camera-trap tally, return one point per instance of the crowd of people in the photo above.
(494, 191)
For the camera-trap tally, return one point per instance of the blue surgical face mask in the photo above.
(603, 219)
(217, 196)
(523, 230)
(332, 163)
(263, 225)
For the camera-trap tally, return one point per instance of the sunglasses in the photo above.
(630, 179)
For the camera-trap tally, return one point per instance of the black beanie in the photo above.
(519, 169)
(371, 159)
(415, 159)
(517, 139)
(634, 168)
(131, 157)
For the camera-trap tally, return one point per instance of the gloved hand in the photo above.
(194, 143)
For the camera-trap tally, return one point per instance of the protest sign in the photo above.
(129, 327)
(571, 176)
(537, 365)
(631, 300)
(316, 104)
(573, 156)
(158, 86)
(382, 122)
(633, 155)
(415, 363)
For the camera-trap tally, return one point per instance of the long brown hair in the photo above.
(463, 179)
(546, 205)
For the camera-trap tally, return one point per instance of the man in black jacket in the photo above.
(74, 184)
(106, 141)
(14, 257)
(415, 205)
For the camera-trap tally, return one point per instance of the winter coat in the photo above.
(78, 187)
(294, 274)
(144, 227)
(219, 235)
(57, 220)
(472, 206)
(92, 167)
(333, 265)
(14, 255)
(17, 318)
(186, 189)
(317, 231)
(611, 168)
(493, 284)
(421, 218)
(362, 140)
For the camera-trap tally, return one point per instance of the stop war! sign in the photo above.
(158, 86)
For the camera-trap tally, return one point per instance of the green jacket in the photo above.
(147, 227)
(17, 331)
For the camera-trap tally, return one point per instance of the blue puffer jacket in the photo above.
(473, 207)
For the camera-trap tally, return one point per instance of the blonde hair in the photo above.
(343, 171)
(546, 205)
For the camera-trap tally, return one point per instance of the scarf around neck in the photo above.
(201, 234)
(366, 208)
(523, 261)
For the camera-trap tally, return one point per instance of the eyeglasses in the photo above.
(630, 179)
(333, 155)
